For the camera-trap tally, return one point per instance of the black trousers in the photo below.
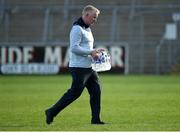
(81, 78)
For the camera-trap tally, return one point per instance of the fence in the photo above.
(141, 27)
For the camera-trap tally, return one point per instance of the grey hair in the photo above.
(90, 8)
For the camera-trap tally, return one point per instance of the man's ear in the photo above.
(87, 14)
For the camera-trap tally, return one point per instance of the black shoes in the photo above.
(49, 118)
(97, 122)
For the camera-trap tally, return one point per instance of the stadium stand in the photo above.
(139, 23)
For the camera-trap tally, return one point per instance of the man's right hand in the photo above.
(95, 54)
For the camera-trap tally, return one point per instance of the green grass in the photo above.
(128, 103)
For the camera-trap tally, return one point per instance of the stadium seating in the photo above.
(140, 23)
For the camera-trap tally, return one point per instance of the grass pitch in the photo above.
(128, 103)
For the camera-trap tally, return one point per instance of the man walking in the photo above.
(81, 54)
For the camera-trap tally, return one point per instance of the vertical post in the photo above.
(66, 10)
(142, 42)
(4, 19)
(2, 16)
(127, 59)
(113, 24)
(46, 25)
(132, 10)
(2, 4)
(6, 26)
(169, 53)
(130, 31)
(158, 49)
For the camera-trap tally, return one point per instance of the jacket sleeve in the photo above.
(75, 40)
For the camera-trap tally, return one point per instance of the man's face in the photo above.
(91, 18)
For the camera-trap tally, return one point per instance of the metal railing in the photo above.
(136, 27)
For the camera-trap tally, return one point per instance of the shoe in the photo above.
(97, 122)
(49, 118)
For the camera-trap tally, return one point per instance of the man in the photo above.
(81, 53)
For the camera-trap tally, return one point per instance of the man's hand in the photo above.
(96, 53)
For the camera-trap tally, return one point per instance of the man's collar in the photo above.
(81, 23)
